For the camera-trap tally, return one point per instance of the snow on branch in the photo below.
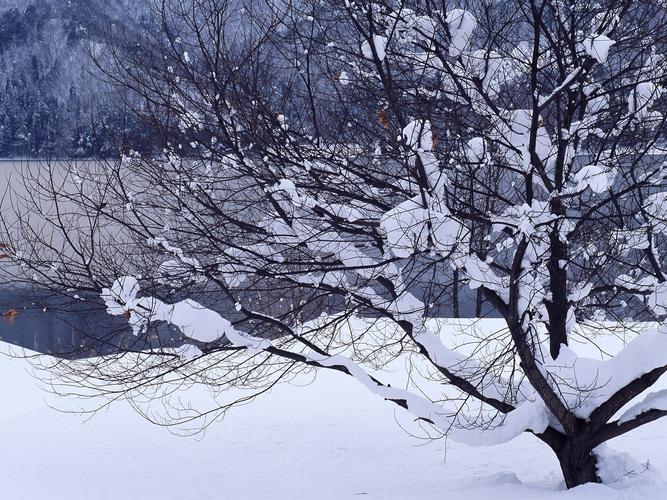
(204, 325)
(566, 83)
(194, 320)
(410, 227)
(199, 323)
(588, 383)
(597, 177)
(653, 401)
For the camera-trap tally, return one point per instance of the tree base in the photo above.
(579, 466)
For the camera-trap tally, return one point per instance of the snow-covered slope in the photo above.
(49, 91)
(327, 440)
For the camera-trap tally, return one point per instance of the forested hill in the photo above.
(51, 104)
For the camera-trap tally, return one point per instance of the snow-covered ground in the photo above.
(327, 440)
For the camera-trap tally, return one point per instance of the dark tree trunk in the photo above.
(455, 295)
(479, 301)
(558, 305)
(579, 465)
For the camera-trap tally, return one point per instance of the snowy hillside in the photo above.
(51, 104)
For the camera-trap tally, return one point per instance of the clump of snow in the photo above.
(194, 320)
(121, 296)
(476, 150)
(380, 45)
(597, 46)
(417, 134)
(489, 66)
(512, 132)
(658, 299)
(642, 97)
(579, 292)
(526, 219)
(656, 208)
(461, 25)
(479, 273)
(282, 120)
(406, 228)
(597, 177)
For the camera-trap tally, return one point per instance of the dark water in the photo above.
(62, 327)
(55, 324)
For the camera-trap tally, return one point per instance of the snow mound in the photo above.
(614, 467)
(347, 445)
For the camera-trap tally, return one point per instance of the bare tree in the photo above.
(358, 158)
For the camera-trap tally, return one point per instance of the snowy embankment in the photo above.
(327, 440)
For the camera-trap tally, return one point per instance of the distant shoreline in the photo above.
(46, 160)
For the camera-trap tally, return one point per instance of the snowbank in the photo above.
(325, 440)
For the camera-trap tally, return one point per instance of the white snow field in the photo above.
(330, 439)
